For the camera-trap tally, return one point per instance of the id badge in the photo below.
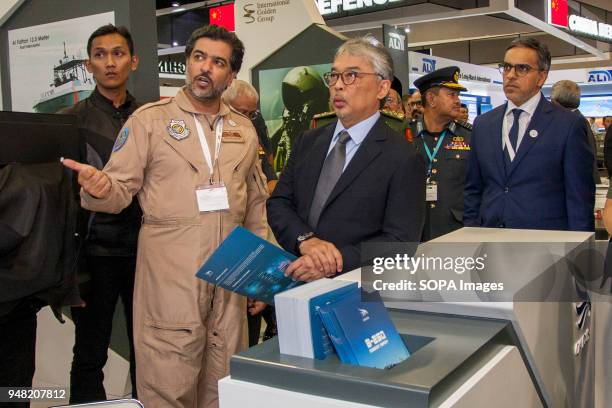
(212, 197)
(431, 192)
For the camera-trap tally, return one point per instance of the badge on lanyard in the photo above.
(213, 196)
(431, 192)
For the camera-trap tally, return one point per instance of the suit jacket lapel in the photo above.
(312, 169)
(369, 149)
(538, 123)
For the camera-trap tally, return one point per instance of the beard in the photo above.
(211, 94)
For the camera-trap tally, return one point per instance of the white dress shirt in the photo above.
(528, 108)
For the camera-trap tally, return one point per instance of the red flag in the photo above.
(222, 16)
(558, 12)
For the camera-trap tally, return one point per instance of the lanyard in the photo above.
(430, 154)
(218, 133)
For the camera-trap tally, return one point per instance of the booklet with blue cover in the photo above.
(250, 266)
(300, 330)
(363, 333)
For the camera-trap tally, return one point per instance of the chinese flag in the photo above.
(557, 15)
(224, 16)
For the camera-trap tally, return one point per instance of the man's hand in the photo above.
(93, 181)
(325, 255)
(304, 269)
(255, 306)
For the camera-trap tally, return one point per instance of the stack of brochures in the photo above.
(362, 332)
(250, 266)
(300, 330)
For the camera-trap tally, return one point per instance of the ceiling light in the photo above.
(175, 4)
(407, 29)
(174, 43)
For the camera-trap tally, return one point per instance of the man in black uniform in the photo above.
(445, 145)
(110, 244)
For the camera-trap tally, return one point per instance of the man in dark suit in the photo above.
(530, 164)
(353, 181)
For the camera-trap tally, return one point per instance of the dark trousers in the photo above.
(111, 277)
(18, 348)
(254, 323)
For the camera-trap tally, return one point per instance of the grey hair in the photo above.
(532, 43)
(239, 87)
(566, 93)
(370, 48)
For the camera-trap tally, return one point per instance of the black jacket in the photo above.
(448, 173)
(100, 122)
(378, 198)
(38, 213)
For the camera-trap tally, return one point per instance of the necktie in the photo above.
(513, 135)
(330, 173)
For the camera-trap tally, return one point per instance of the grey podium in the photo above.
(529, 348)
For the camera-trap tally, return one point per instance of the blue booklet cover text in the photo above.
(250, 266)
(363, 332)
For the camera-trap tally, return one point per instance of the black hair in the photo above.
(111, 29)
(463, 105)
(532, 43)
(218, 33)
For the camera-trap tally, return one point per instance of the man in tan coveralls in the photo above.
(185, 330)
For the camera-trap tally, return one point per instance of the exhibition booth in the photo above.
(546, 350)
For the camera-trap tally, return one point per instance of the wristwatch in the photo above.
(304, 237)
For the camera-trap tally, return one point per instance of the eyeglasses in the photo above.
(520, 69)
(348, 77)
(416, 103)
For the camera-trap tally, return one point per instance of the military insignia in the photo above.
(408, 135)
(177, 129)
(456, 76)
(231, 122)
(121, 139)
(533, 133)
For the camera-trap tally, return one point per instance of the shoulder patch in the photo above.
(324, 115)
(121, 139)
(393, 115)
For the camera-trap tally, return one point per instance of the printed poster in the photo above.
(47, 63)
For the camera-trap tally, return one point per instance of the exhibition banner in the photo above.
(47, 63)
(396, 41)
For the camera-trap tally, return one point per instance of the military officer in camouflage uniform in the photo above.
(445, 145)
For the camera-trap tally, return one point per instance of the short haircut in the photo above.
(111, 29)
(463, 105)
(370, 48)
(537, 46)
(566, 93)
(239, 87)
(434, 90)
(218, 33)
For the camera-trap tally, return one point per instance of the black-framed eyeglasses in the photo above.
(519, 69)
(348, 77)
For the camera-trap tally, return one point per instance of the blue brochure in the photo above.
(363, 333)
(250, 266)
